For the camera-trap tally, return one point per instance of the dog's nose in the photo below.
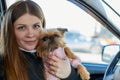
(52, 38)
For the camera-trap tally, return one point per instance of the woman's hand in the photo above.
(60, 67)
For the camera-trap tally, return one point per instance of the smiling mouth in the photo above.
(30, 42)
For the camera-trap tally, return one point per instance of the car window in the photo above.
(111, 7)
(114, 4)
(85, 37)
(2, 9)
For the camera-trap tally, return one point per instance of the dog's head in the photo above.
(50, 39)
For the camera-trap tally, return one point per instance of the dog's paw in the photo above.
(85, 75)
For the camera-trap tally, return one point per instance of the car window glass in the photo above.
(9, 2)
(114, 4)
(111, 7)
(86, 36)
(0, 8)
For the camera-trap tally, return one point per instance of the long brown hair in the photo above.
(15, 63)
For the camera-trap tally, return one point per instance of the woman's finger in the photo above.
(54, 58)
(52, 63)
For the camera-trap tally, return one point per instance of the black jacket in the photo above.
(35, 69)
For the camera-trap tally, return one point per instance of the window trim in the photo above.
(3, 7)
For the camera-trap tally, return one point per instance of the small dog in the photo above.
(51, 39)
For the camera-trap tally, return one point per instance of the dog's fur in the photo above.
(51, 39)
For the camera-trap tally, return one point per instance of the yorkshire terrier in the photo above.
(51, 39)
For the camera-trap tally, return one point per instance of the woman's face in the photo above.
(27, 31)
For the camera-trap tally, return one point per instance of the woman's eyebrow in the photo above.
(37, 23)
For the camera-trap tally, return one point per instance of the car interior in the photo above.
(106, 66)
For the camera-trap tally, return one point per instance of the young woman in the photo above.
(20, 31)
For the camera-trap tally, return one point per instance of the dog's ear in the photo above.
(63, 30)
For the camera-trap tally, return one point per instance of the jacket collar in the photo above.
(31, 51)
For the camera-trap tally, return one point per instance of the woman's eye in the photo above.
(21, 27)
(36, 26)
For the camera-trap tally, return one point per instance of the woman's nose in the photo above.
(30, 32)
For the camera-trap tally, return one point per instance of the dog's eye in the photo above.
(45, 38)
(56, 35)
